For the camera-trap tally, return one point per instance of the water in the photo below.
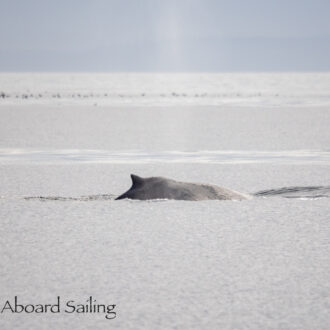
(255, 264)
(167, 157)
(134, 89)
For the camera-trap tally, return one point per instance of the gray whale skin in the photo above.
(162, 188)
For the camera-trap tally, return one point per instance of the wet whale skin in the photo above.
(163, 188)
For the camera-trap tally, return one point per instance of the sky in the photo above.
(164, 35)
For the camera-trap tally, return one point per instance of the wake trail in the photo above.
(309, 192)
(88, 198)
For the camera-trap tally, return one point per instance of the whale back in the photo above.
(163, 188)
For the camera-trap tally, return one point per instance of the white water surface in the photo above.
(255, 264)
(37, 156)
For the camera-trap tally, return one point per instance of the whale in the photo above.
(163, 188)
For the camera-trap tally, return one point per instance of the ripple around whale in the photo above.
(304, 193)
(88, 198)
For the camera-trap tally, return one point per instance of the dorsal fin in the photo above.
(136, 181)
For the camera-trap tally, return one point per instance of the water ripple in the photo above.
(142, 157)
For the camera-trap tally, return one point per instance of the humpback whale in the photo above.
(163, 188)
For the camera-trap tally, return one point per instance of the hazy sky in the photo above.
(165, 35)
